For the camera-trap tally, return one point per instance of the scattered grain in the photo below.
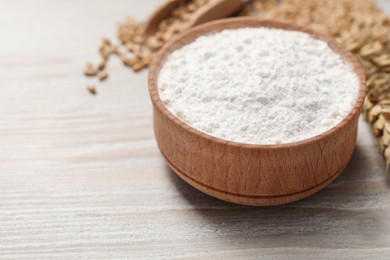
(90, 70)
(103, 75)
(91, 89)
(131, 35)
(102, 65)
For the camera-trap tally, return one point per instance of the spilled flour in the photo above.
(258, 85)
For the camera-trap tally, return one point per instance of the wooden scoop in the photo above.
(213, 10)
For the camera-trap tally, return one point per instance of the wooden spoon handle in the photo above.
(159, 14)
(215, 9)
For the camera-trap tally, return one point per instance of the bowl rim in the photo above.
(245, 22)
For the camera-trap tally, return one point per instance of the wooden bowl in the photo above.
(245, 173)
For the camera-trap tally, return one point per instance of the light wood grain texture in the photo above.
(82, 177)
(258, 175)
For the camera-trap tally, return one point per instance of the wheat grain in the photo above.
(103, 75)
(91, 89)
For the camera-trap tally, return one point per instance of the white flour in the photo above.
(258, 85)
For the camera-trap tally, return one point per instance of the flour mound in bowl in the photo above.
(258, 85)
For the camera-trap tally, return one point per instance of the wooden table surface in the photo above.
(81, 176)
